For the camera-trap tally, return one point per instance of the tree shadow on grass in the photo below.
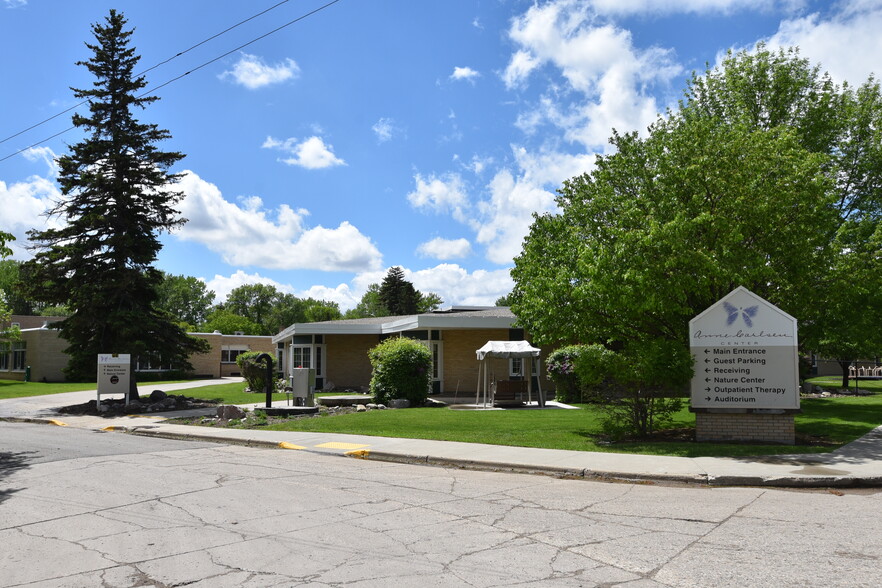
(11, 462)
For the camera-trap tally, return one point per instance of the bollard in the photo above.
(268, 386)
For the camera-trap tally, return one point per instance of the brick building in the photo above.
(338, 350)
(42, 350)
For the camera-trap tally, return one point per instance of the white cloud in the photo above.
(520, 66)
(223, 285)
(25, 205)
(503, 218)
(384, 129)
(456, 286)
(599, 62)
(312, 153)
(15, 3)
(253, 73)
(44, 154)
(847, 45)
(279, 239)
(446, 194)
(445, 249)
(506, 216)
(465, 73)
(342, 294)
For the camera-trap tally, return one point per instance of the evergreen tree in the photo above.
(397, 294)
(116, 199)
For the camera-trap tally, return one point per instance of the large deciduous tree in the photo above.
(186, 298)
(768, 175)
(117, 197)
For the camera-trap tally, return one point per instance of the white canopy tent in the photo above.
(506, 350)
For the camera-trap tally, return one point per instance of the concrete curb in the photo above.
(704, 479)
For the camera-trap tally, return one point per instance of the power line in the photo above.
(252, 17)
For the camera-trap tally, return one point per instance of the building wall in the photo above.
(211, 365)
(47, 359)
(347, 360)
(45, 355)
(461, 362)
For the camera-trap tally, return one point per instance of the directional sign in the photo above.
(745, 355)
(113, 374)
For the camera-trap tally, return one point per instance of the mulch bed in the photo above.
(157, 401)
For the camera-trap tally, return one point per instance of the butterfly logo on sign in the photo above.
(747, 314)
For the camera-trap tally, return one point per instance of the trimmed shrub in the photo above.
(254, 372)
(402, 368)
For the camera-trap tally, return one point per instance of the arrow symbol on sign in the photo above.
(708, 398)
(707, 389)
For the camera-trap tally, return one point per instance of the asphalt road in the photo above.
(80, 508)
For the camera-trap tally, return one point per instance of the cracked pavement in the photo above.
(186, 514)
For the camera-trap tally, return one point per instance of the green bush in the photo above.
(254, 372)
(402, 368)
(561, 367)
(640, 387)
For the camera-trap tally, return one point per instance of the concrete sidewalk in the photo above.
(856, 464)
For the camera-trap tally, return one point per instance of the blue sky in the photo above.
(417, 133)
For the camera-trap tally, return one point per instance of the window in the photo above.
(4, 356)
(229, 353)
(19, 355)
(147, 363)
(516, 367)
(301, 356)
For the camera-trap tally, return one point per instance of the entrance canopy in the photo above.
(507, 349)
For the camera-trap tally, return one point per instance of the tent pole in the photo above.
(478, 387)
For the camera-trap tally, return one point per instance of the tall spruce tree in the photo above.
(397, 294)
(115, 184)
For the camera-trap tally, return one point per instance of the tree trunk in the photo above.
(844, 364)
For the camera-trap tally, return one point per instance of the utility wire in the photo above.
(161, 63)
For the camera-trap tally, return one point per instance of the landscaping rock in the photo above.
(157, 396)
(399, 403)
(360, 408)
(229, 411)
(371, 406)
(432, 403)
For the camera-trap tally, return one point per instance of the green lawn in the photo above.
(834, 420)
(832, 382)
(231, 393)
(16, 389)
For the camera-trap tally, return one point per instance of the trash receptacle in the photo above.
(28, 374)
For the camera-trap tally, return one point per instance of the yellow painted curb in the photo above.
(360, 453)
(113, 428)
(286, 445)
(57, 423)
(339, 445)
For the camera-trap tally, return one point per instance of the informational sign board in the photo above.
(114, 374)
(745, 355)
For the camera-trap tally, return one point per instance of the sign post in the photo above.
(113, 374)
(746, 383)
